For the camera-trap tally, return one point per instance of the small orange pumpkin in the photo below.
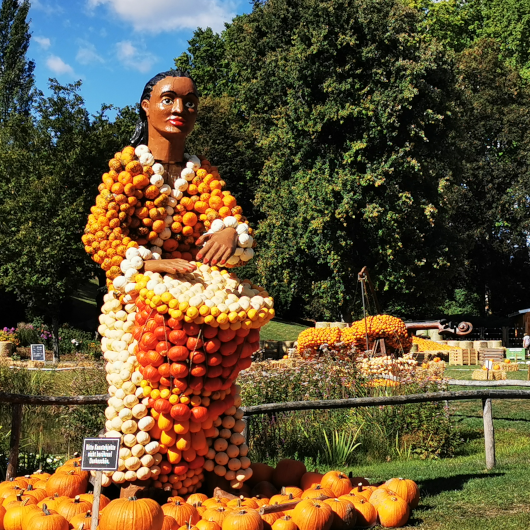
(393, 512)
(312, 514)
(337, 482)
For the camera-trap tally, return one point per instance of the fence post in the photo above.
(246, 430)
(97, 497)
(489, 433)
(14, 442)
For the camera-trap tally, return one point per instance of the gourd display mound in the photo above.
(308, 500)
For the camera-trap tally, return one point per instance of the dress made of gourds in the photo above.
(174, 343)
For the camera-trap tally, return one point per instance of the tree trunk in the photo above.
(55, 338)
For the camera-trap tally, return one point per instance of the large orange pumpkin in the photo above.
(72, 507)
(312, 514)
(46, 520)
(317, 492)
(366, 513)
(284, 523)
(337, 482)
(310, 479)
(406, 489)
(260, 473)
(82, 518)
(218, 515)
(393, 512)
(379, 495)
(169, 523)
(288, 473)
(69, 484)
(344, 514)
(123, 514)
(246, 519)
(181, 512)
(13, 516)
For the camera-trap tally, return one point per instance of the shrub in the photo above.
(423, 430)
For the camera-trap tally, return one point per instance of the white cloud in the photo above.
(159, 16)
(87, 54)
(48, 7)
(43, 42)
(133, 58)
(58, 66)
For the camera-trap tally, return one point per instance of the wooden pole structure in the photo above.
(489, 433)
(14, 442)
(97, 498)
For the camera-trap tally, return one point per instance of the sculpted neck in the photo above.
(167, 150)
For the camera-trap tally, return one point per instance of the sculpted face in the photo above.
(172, 109)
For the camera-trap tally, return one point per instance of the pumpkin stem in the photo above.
(133, 498)
(24, 502)
(77, 499)
(360, 486)
(291, 496)
(88, 515)
(45, 510)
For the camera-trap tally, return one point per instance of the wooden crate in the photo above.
(469, 356)
(491, 354)
(456, 358)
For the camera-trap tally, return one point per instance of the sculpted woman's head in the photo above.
(168, 109)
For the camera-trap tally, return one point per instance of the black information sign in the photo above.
(100, 454)
(37, 352)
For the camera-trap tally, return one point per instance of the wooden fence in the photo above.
(486, 395)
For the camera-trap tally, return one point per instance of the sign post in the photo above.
(37, 352)
(99, 454)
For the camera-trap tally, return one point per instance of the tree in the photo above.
(50, 170)
(16, 72)
(353, 110)
(207, 62)
(492, 203)
(459, 24)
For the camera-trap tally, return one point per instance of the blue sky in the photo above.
(116, 46)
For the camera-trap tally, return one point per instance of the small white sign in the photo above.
(38, 352)
(488, 364)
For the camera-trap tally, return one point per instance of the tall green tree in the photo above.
(16, 71)
(492, 205)
(50, 170)
(206, 60)
(353, 109)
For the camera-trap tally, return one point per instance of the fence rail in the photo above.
(486, 395)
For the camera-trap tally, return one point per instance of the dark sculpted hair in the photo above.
(140, 135)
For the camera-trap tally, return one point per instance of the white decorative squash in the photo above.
(132, 463)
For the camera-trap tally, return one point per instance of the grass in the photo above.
(460, 492)
(281, 330)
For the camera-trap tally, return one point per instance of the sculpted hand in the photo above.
(219, 246)
(170, 266)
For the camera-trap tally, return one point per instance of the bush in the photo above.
(51, 430)
(71, 340)
(423, 430)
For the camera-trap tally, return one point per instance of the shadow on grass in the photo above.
(456, 482)
(469, 416)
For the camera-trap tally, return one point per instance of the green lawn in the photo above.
(281, 330)
(459, 493)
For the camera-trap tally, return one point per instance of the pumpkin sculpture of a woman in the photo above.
(177, 326)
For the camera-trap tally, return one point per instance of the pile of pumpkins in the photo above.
(392, 329)
(287, 497)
